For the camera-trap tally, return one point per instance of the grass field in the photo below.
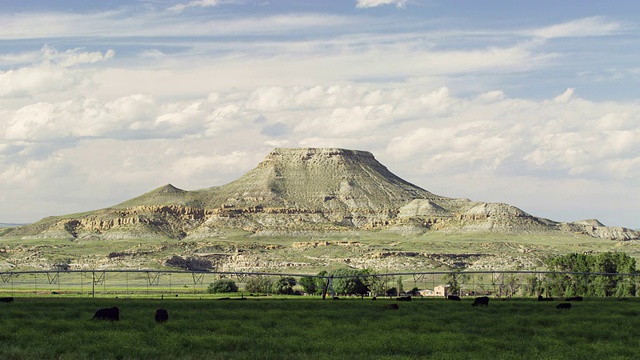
(35, 328)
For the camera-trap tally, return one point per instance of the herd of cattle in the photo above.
(162, 315)
(484, 300)
(113, 314)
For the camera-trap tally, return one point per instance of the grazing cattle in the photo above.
(404, 298)
(453, 297)
(563, 306)
(540, 298)
(373, 298)
(6, 299)
(336, 298)
(391, 307)
(575, 298)
(162, 315)
(481, 301)
(111, 314)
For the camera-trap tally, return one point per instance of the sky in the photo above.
(534, 104)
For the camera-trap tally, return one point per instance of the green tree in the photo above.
(400, 285)
(609, 284)
(511, 284)
(377, 285)
(222, 286)
(454, 280)
(310, 285)
(259, 284)
(533, 286)
(283, 286)
(348, 282)
(392, 292)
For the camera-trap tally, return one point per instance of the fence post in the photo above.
(333, 294)
(473, 281)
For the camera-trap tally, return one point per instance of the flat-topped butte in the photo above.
(304, 190)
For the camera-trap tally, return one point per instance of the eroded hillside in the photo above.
(300, 193)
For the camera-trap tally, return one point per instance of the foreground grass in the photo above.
(32, 328)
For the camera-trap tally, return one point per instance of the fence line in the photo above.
(499, 283)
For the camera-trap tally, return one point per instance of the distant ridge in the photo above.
(3, 225)
(302, 190)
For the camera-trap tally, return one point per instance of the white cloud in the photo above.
(121, 25)
(72, 57)
(195, 3)
(43, 78)
(351, 121)
(200, 166)
(491, 96)
(363, 4)
(590, 26)
(487, 137)
(80, 118)
(52, 71)
(438, 101)
(565, 97)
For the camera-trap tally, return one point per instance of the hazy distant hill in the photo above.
(3, 225)
(294, 191)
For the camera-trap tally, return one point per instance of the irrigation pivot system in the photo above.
(156, 283)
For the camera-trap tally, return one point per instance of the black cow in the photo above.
(111, 314)
(391, 307)
(484, 300)
(453, 297)
(540, 298)
(575, 298)
(6, 299)
(563, 306)
(404, 298)
(162, 315)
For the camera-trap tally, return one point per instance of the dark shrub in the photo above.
(191, 263)
(222, 286)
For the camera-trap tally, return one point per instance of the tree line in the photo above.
(610, 263)
(598, 275)
(344, 281)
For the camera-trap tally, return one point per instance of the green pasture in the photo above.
(310, 328)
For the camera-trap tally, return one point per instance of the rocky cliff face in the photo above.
(296, 191)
